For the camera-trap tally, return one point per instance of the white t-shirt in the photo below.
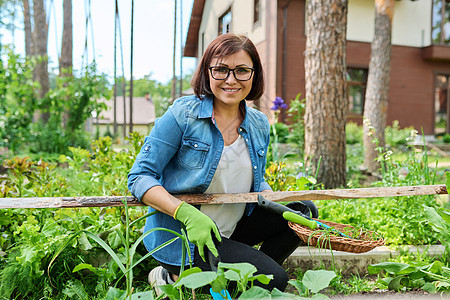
(234, 174)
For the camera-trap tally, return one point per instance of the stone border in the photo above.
(310, 258)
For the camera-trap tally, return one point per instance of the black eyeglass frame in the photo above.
(231, 70)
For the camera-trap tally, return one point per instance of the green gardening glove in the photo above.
(198, 227)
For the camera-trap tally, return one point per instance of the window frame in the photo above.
(442, 13)
(357, 83)
(256, 12)
(221, 23)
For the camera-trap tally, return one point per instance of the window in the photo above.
(225, 22)
(356, 83)
(256, 11)
(441, 101)
(441, 22)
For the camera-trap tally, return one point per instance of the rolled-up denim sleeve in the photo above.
(159, 147)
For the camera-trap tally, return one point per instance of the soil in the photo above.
(386, 294)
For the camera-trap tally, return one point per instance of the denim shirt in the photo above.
(181, 153)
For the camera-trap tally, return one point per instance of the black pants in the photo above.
(277, 241)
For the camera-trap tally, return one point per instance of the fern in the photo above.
(16, 281)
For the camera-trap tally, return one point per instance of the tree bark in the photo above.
(326, 93)
(65, 63)
(40, 50)
(27, 26)
(376, 102)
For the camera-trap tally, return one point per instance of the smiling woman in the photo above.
(213, 142)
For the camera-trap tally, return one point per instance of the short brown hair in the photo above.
(222, 46)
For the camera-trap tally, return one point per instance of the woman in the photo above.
(213, 143)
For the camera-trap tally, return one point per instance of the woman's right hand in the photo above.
(199, 228)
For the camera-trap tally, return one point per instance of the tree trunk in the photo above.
(326, 93)
(27, 26)
(40, 50)
(376, 102)
(65, 63)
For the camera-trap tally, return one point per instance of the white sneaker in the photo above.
(157, 277)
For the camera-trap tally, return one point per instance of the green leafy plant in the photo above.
(398, 219)
(130, 249)
(430, 277)
(72, 102)
(279, 179)
(18, 100)
(241, 273)
(313, 282)
(440, 222)
(396, 136)
(296, 134)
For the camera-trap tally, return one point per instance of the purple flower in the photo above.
(278, 103)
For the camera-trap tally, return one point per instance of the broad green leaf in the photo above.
(435, 267)
(417, 275)
(114, 240)
(445, 214)
(232, 275)
(170, 291)
(219, 283)
(391, 267)
(430, 287)
(28, 255)
(264, 279)
(197, 280)
(446, 272)
(301, 288)
(312, 179)
(84, 242)
(317, 280)
(255, 292)
(83, 267)
(394, 284)
(115, 294)
(187, 273)
(143, 296)
(244, 269)
(301, 183)
(276, 293)
(434, 218)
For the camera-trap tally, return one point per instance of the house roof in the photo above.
(143, 111)
(190, 48)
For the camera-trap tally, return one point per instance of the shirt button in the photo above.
(240, 129)
(146, 148)
(254, 167)
(195, 145)
(246, 140)
(263, 152)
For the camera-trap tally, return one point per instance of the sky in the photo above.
(153, 36)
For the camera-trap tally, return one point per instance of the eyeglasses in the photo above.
(240, 73)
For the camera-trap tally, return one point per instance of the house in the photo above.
(143, 116)
(420, 61)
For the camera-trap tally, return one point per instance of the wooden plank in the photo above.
(65, 202)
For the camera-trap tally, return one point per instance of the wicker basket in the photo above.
(339, 243)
